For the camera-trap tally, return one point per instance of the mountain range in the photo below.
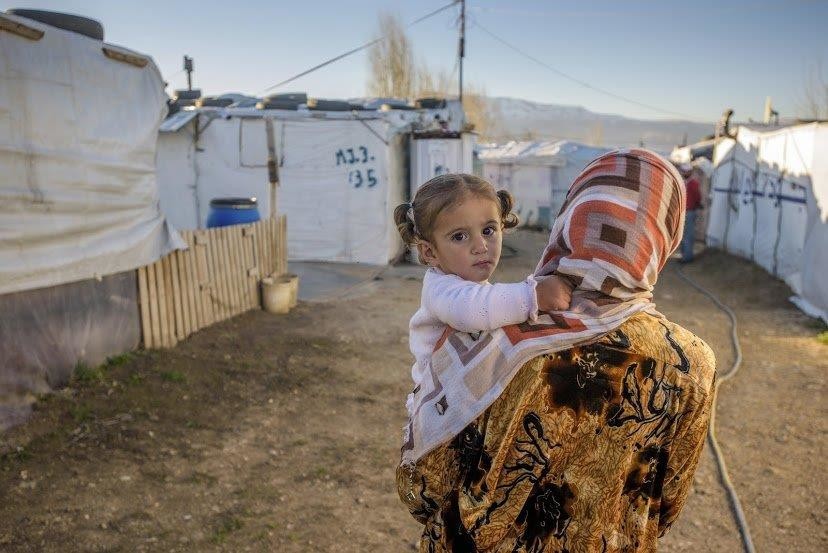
(516, 119)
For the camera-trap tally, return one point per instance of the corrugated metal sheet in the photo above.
(175, 122)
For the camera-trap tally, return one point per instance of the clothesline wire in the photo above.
(357, 49)
(499, 39)
(569, 77)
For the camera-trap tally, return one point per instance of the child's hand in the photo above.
(554, 293)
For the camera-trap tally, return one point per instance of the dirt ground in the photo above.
(281, 433)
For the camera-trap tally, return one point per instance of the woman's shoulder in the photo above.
(664, 340)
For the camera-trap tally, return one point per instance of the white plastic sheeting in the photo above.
(538, 174)
(340, 176)
(770, 204)
(45, 332)
(78, 196)
(436, 156)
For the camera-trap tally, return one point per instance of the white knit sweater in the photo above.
(465, 306)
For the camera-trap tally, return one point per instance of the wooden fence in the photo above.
(216, 278)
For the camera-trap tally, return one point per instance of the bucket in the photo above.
(292, 281)
(232, 211)
(276, 294)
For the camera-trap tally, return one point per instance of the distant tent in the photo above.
(770, 204)
(538, 174)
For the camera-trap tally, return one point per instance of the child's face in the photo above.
(466, 240)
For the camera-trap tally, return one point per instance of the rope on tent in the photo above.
(733, 498)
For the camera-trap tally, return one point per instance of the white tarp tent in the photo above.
(433, 155)
(78, 128)
(340, 175)
(78, 204)
(770, 204)
(538, 174)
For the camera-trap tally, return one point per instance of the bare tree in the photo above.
(395, 73)
(429, 83)
(391, 61)
(814, 104)
(481, 112)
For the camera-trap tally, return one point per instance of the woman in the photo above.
(580, 432)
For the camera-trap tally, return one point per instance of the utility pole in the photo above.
(188, 67)
(461, 50)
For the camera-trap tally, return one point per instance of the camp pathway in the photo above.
(281, 433)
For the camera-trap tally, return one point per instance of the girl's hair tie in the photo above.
(409, 214)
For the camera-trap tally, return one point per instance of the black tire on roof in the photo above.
(184, 94)
(210, 101)
(66, 21)
(279, 104)
(297, 97)
(328, 105)
(430, 103)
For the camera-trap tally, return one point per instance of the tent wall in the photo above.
(399, 176)
(45, 332)
(175, 163)
(78, 130)
(231, 160)
(539, 190)
(531, 187)
(766, 205)
(339, 180)
(814, 295)
(538, 174)
(436, 156)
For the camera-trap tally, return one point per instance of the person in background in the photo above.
(693, 190)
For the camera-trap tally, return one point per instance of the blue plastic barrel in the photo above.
(232, 211)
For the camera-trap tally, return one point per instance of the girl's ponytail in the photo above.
(510, 219)
(405, 224)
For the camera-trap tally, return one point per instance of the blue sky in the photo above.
(695, 58)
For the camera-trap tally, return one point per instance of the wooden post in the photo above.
(195, 291)
(204, 282)
(283, 242)
(272, 165)
(170, 301)
(235, 269)
(155, 316)
(232, 297)
(162, 302)
(185, 262)
(178, 308)
(143, 297)
(218, 293)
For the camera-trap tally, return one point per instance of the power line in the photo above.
(357, 49)
(576, 80)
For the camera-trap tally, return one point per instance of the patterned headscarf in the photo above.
(621, 220)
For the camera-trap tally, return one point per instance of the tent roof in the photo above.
(398, 119)
(178, 120)
(541, 153)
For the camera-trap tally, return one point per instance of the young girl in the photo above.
(457, 222)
